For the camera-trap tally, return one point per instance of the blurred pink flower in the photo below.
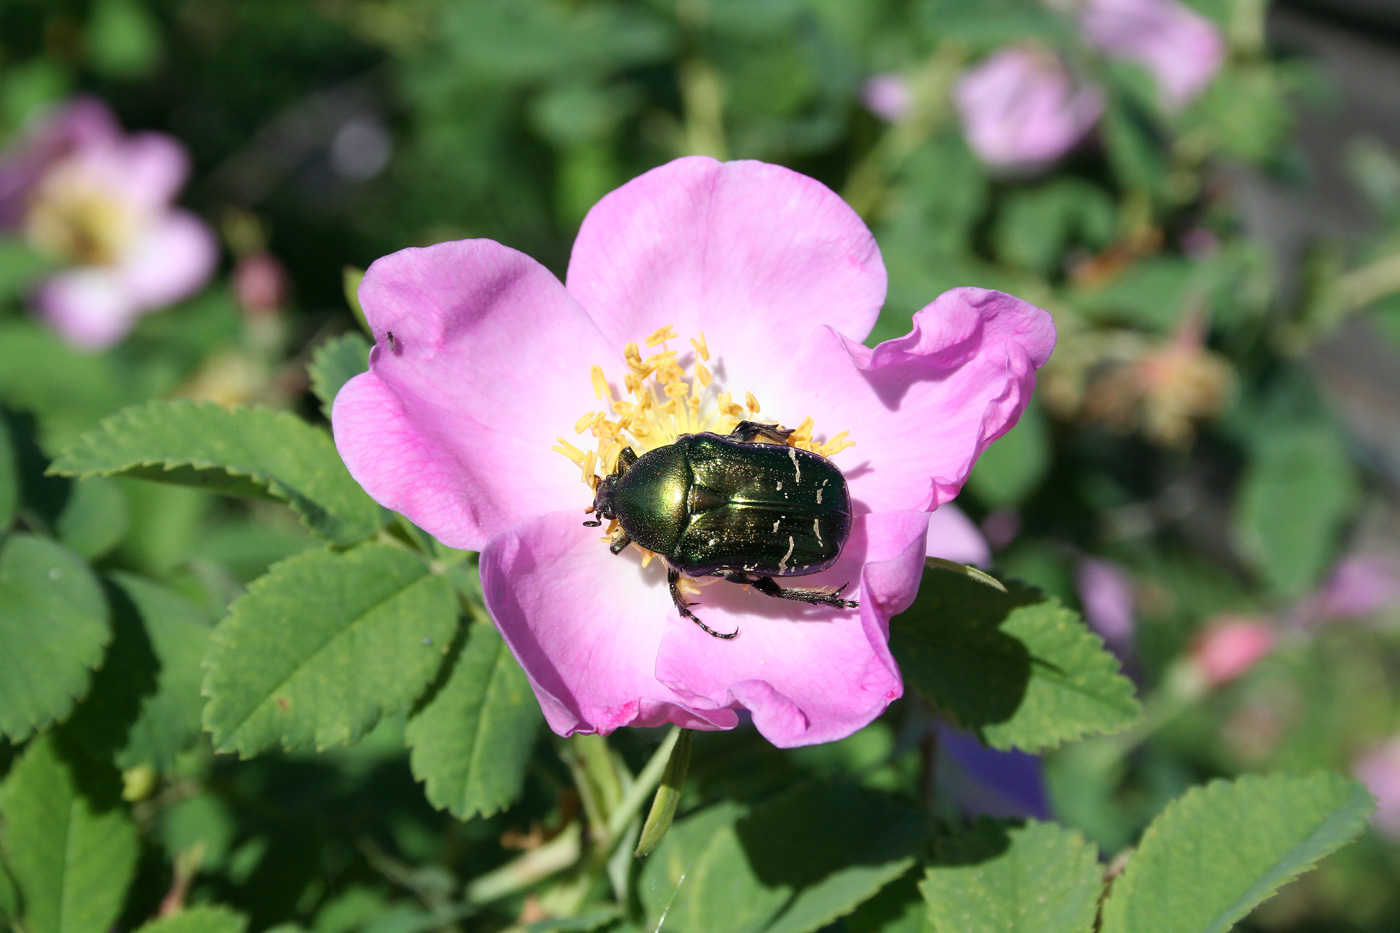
(484, 360)
(260, 283)
(1181, 48)
(1379, 770)
(1358, 587)
(1230, 646)
(1106, 592)
(887, 96)
(953, 536)
(1021, 109)
(98, 203)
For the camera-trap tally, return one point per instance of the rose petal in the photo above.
(79, 124)
(488, 364)
(808, 674)
(922, 407)
(585, 626)
(154, 168)
(172, 259)
(91, 308)
(1181, 48)
(953, 536)
(751, 254)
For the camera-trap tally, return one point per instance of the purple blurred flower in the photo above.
(97, 202)
(1021, 109)
(987, 782)
(1379, 770)
(1181, 48)
(887, 96)
(459, 422)
(1106, 591)
(953, 536)
(1358, 587)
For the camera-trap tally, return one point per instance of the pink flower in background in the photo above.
(1379, 770)
(1358, 587)
(98, 204)
(1106, 591)
(887, 96)
(1230, 646)
(1021, 109)
(484, 363)
(1181, 48)
(953, 536)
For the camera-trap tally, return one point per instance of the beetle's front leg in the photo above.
(745, 432)
(620, 540)
(816, 595)
(673, 579)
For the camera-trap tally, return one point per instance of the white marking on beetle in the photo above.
(782, 564)
(819, 494)
(780, 485)
(714, 541)
(817, 530)
(792, 455)
(776, 524)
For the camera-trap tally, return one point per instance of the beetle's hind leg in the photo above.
(673, 579)
(816, 595)
(746, 432)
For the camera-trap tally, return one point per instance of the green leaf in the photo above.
(1013, 467)
(53, 631)
(471, 738)
(794, 865)
(335, 362)
(1018, 669)
(997, 877)
(350, 279)
(668, 796)
(69, 390)
(94, 519)
(9, 475)
(323, 646)
(206, 918)
(123, 39)
(145, 701)
(241, 451)
(1296, 494)
(1222, 849)
(69, 845)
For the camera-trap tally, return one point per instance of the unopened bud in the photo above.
(1230, 647)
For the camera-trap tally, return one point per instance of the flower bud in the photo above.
(1229, 647)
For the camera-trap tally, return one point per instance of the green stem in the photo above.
(529, 869)
(647, 781)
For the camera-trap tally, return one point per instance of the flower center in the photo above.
(76, 220)
(661, 402)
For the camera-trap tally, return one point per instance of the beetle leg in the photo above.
(816, 595)
(625, 458)
(673, 579)
(620, 540)
(745, 432)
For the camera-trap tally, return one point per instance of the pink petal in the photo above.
(953, 536)
(585, 625)
(754, 255)
(1021, 109)
(82, 123)
(488, 364)
(1181, 48)
(91, 308)
(808, 674)
(922, 407)
(172, 259)
(154, 168)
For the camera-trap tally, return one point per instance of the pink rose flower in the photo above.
(953, 536)
(1106, 592)
(1021, 109)
(99, 204)
(1379, 770)
(887, 96)
(1181, 48)
(1230, 646)
(484, 362)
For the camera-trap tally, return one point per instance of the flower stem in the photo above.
(668, 794)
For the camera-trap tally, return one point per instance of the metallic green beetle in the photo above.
(732, 507)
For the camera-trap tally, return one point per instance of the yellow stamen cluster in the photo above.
(661, 401)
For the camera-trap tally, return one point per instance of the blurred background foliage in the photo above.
(1215, 443)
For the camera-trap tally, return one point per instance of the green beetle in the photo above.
(732, 507)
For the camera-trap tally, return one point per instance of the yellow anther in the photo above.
(661, 336)
(803, 431)
(569, 450)
(587, 421)
(703, 375)
(751, 403)
(646, 555)
(631, 352)
(836, 445)
(701, 347)
(600, 385)
(678, 390)
(590, 460)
